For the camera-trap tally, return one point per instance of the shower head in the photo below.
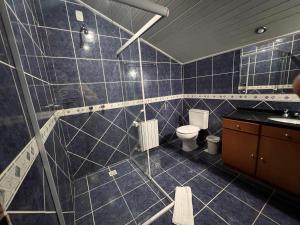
(83, 28)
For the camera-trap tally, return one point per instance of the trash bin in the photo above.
(212, 144)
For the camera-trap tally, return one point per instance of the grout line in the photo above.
(123, 198)
(260, 212)
(217, 195)
(90, 199)
(74, 51)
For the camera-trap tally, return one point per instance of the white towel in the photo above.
(183, 209)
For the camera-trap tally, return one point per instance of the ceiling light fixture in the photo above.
(261, 30)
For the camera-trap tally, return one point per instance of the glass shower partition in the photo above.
(131, 75)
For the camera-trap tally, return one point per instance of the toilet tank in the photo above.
(199, 118)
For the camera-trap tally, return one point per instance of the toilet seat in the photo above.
(188, 129)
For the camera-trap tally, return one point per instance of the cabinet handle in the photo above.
(238, 126)
(252, 156)
(261, 159)
(286, 134)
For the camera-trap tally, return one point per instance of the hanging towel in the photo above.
(183, 209)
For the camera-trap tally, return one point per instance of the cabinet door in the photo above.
(239, 150)
(278, 163)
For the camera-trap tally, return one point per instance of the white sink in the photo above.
(285, 120)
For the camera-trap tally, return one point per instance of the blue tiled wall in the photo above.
(220, 74)
(94, 75)
(15, 132)
(29, 39)
(25, 18)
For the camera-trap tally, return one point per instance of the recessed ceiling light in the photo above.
(261, 30)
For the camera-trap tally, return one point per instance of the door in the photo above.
(278, 163)
(239, 150)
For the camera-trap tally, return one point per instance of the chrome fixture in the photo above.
(286, 113)
(85, 31)
(261, 30)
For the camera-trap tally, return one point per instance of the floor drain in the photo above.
(112, 173)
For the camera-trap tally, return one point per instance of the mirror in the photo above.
(269, 67)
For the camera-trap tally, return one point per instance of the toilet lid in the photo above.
(188, 129)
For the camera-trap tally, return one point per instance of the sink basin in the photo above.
(285, 120)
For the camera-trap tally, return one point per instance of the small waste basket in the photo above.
(212, 144)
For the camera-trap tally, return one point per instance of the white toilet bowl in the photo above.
(188, 135)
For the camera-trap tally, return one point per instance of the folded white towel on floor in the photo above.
(183, 209)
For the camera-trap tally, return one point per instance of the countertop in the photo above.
(260, 117)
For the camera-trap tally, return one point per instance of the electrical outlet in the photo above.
(79, 15)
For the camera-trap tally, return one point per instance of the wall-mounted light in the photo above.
(261, 30)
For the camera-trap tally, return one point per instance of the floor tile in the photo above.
(283, 210)
(207, 217)
(206, 157)
(156, 154)
(203, 189)
(197, 205)
(99, 178)
(165, 219)
(182, 173)
(115, 213)
(86, 220)
(155, 189)
(122, 168)
(262, 220)
(104, 194)
(219, 176)
(180, 155)
(166, 182)
(82, 205)
(250, 192)
(80, 186)
(166, 162)
(197, 166)
(128, 182)
(140, 199)
(233, 210)
(155, 169)
(149, 213)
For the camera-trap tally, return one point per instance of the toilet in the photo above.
(188, 134)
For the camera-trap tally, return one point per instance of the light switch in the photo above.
(79, 15)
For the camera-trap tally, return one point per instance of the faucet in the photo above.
(286, 113)
(297, 115)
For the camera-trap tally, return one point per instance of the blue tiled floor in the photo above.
(220, 195)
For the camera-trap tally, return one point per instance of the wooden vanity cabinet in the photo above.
(268, 153)
(239, 146)
(279, 158)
